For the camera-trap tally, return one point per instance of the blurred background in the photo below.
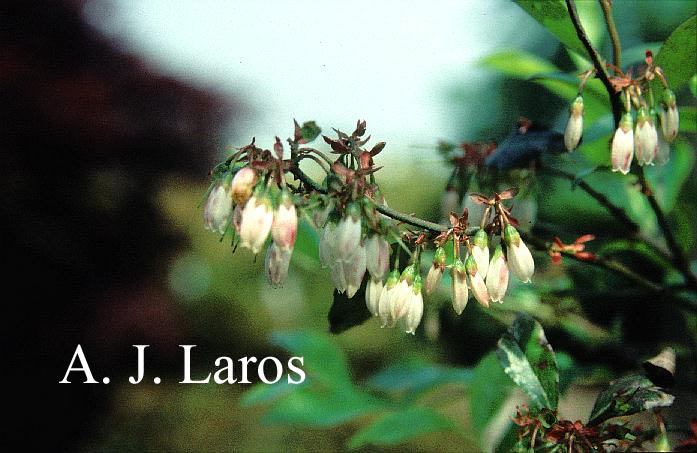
(112, 114)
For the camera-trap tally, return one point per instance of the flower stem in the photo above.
(606, 6)
(601, 70)
(679, 259)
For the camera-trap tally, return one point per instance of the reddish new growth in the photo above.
(577, 248)
(474, 154)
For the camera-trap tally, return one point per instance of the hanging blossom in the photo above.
(252, 200)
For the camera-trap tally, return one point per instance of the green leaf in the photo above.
(626, 396)
(398, 427)
(688, 119)
(677, 56)
(554, 16)
(416, 376)
(529, 360)
(308, 407)
(323, 360)
(525, 66)
(310, 131)
(667, 180)
(346, 313)
(488, 391)
(265, 393)
(693, 85)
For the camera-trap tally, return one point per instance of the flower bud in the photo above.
(377, 254)
(354, 271)
(646, 138)
(216, 212)
(285, 222)
(480, 251)
(460, 294)
(574, 128)
(348, 234)
(623, 145)
(276, 263)
(435, 273)
(520, 260)
(385, 299)
(497, 277)
(243, 184)
(670, 119)
(476, 282)
(415, 308)
(326, 245)
(372, 296)
(257, 218)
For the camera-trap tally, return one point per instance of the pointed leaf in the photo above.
(677, 56)
(626, 396)
(398, 427)
(529, 360)
(489, 389)
(323, 360)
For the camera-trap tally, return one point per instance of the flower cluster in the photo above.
(252, 208)
(639, 140)
(251, 198)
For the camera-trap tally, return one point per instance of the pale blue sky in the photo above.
(389, 62)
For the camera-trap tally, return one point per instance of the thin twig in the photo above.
(616, 211)
(680, 260)
(598, 64)
(606, 6)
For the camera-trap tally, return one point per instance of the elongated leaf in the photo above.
(398, 427)
(489, 389)
(525, 66)
(264, 393)
(309, 407)
(416, 376)
(626, 396)
(554, 16)
(323, 360)
(677, 56)
(529, 360)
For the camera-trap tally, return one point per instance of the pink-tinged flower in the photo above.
(577, 248)
(435, 273)
(646, 138)
(285, 222)
(415, 309)
(372, 296)
(399, 302)
(386, 295)
(377, 253)
(520, 260)
(574, 128)
(480, 252)
(670, 118)
(243, 184)
(216, 212)
(326, 245)
(257, 218)
(348, 234)
(497, 277)
(623, 145)
(276, 263)
(354, 271)
(476, 282)
(458, 273)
